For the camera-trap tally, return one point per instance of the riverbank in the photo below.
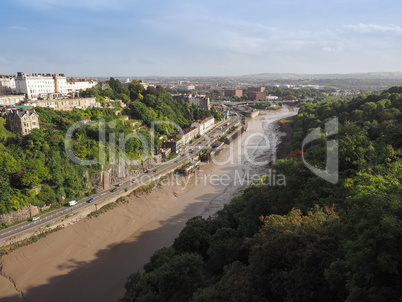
(285, 126)
(91, 260)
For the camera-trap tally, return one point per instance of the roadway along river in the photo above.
(91, 260)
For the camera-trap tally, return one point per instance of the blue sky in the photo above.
(199, 38)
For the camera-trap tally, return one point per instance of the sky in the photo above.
(199, 38)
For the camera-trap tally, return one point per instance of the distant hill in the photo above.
(294, 76)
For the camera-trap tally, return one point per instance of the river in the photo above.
(91, 260)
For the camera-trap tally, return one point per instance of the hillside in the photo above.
(35, 169)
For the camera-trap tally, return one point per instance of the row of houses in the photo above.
(45, 86)
(67, 104)
(197, 128)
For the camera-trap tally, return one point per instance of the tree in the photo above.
(174, 280)
(193, 238)
(135, 89)
(33, 174)
(225, 246)
(152, 90)
(236, 284)
(373, 245)
(289, 97)
(290, 254)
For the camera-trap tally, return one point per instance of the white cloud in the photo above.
(18, 28)
(376, 28)
(223, 34)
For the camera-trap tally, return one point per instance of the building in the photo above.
(272, 97)
(258, 96)
(80, 84)
(175, 145)
(67, 104)
(41, 85)
(256, 89)
(48, 86)
(22, 121)
(233, 92)
(189, 134)
(7, 85)
(201, 101)
(11, 100)
(145, 85)
(128, 82)
(165, 152)
(204, 125)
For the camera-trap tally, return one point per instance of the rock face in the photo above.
(21, 214)
(115, 173)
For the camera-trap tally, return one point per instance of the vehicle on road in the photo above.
(156, 170)
(72, 203)
(113, 190)
(120, 184)
(35, 218)
(91, 200)
(176, 161)
(133, 180)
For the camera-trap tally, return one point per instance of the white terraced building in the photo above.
(48, 85)
(7, 85)
(80, 84)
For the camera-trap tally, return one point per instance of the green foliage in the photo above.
(193, 238)
(373, 262)
(171, 156)
(39, 161)
(290, 253)
(310, 240)
(102, 210)
(174, 278)
(301, 93)
(169, 114)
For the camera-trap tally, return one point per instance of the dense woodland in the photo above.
(310, 240)
(35, 169)
(300, 93)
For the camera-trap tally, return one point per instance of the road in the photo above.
(145, 178)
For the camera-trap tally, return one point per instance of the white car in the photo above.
(72, 203)
(35, 218)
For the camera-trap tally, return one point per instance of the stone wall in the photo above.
(116, 173)
(21, 214)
